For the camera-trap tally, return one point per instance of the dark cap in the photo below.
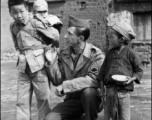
(16, 2)
(75, 22)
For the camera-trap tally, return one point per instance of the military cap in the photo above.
(75, 22)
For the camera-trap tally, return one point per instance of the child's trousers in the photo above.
(27, 83)
(122, 106)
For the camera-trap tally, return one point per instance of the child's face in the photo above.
(19, 13)
(114, 40)
(42, 14)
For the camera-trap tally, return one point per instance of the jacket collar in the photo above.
(84, 57)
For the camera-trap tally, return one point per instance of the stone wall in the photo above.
(6, 39)
(144, 51)
(9, 55)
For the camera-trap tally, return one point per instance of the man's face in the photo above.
(71, 38)
(19, 13)
(114, 41)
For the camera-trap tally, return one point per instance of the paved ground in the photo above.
(140, 98)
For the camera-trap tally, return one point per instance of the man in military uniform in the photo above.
(74, 72)
(28, 39)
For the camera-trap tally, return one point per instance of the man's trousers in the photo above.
(88, 103)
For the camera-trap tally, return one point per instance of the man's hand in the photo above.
(58, 91)
(51, 54)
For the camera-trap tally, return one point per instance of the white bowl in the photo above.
(120, 78)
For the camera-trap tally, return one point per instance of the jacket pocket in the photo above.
(38, 52)
(39, 55)
(36, 60)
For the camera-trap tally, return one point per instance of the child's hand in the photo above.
(130, 80)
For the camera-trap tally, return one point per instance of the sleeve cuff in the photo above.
(137, 79)
(66, 86)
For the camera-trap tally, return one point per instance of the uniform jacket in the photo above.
(126, 63)
(83, 75)
(29, 37)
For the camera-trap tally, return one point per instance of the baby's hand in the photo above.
(40, 18)
(51, 54)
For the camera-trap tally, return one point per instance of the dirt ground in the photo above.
(140, 98)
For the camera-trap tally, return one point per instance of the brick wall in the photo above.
(132, 6)
(96, 10)
(140, 19)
